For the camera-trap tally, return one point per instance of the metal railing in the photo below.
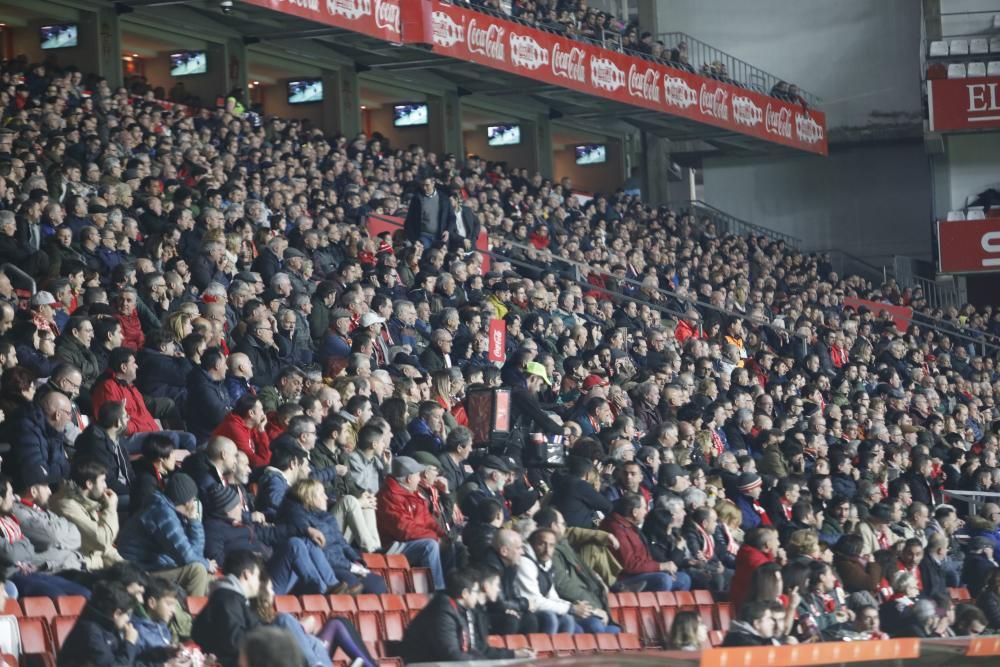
(709, 61)
(730, 224)
(846, 264)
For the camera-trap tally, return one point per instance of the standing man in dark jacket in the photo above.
(103, 636)
(207, 400)
(450, 629)
(429, 217)
(576, 497)
(228, 616)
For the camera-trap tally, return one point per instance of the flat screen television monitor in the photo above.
(185, 63)
(62, 36)
(591, 154)
(409, 115)
(503, 135)
(305, 91)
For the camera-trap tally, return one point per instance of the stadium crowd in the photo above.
(224, 385)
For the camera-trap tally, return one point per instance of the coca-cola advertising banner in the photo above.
(468, 35)
(963, 104)
(377, 18)
(969, 246)
(497, 352)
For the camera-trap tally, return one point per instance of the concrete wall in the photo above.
(380, 120)
(871, 201)
(606, 177)
(968, 166)
(521, 155)
(860, 56)
(275, 101)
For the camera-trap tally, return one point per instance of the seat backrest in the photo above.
(938, 49)
(646, 599)
(703, 597)
(288, 604)
(369, 625)
(496, 641)
(397, 562)
(715, 637)
(666, 599)
(9, 659)
(34, 636)
(196, 603)
(956, 71)
(38, 607)
(368, 602)
(585, 643)
(540, 643)
(959, 47)
(979, 45)
(316, 603)
(13, 608)
(607, 642)
(398, 581)
(421, 578)
(70, 605)
(394, 623)
(976, 70)
(61, 627)
(392, 602)
(416, 601)
(684, 598)
(723, 615)
(375, 561)
(515, 642)
(993, 68)
(563, 643)
(628, 600)
(629, 642)
(342, 604)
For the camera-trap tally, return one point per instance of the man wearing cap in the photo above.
(167, 537)
(56, 540)
(405, 522)
(372, 323)
(875, 530)
(336, 344)
(487, 483)
(527, 415)
(749, 487)
(294, 261)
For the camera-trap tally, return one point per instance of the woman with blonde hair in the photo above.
(179, 324)
(688, 632)
(728, 536)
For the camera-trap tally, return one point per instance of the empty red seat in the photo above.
(391, 602)
(666, 599)
(342, 605)
(397, 574)
(38, 607)
(368, 602)
(12, 608)
(629, 642)
(607, 642)
(684, 599)
(723, 615)
(70, 605)
(416, 601)
(515, 642)
(369, 625)
(61, 626)
(563, 644)
(703, 597)
(541, 644)
(420, 579)
(628, 618)
(288, 604)
(34, 636)
(585, 643)
(394, 623)
(315, 603)
(496, 641)
(196, 603)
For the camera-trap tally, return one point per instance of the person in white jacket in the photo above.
(535, 583)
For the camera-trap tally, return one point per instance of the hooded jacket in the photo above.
(224, 622)
(95, 642)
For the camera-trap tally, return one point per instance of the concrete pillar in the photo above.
(655, 168)
(103, 29)
(932, 20)
(236, 66)
(543, 146)
(446, 123)
(649, 15)
(341, 101)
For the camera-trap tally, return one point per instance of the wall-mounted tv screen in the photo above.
(184, 63)
(61, 36)
(305, 91)
(409, 115)
(591, 154)
(503, 135)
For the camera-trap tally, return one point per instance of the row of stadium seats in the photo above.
(966, 71)
(964, 47)
(974, 213)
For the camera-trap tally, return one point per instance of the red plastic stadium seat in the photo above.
(315, 603)
(416, 601)
(61, 626)
(34, 636)
(38, 607)
(612, 600)
(667, 615)
(496, 641)
(629, 642)
(420, 578)
(715, 637)
(515, 642)
(196, 603)
(703, 597)
(288, 604)
(541, 644)
(585, 643)
(13, 608)
(70, 605)
(397, 574)
(628, 600)
(607, 642)
(369, 625)
(9, 659)
(960, 594)
(563, 644)
(392, 602)
(629, 619)
(684, 599)
(723, 615)
(394, 622)
(369, 602)
(375, 561)
(666, 599)
(649, 624)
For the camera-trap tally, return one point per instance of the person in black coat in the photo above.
(161, 373)
(207, 401)
(755, 626)
(468, 215)
(978, 566)
(100, 442)
(430, 217)
(576, 497)
(450, 628)
(228, 615)
(103, 636)
(932, 573)
(989, 600)
(481, 530)
(260, 347)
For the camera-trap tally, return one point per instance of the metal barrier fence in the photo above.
(730, 224)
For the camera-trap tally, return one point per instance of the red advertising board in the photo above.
(963, 104)
(387, 223)
(901, 315)
(969, 246)
(376, 18)
(474, 37)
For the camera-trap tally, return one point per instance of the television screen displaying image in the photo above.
(59, 36)
(591, 154)
(409, 115)
(184, 63)
(305, 91)
(503, 135)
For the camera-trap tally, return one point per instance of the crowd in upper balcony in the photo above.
(222, 372)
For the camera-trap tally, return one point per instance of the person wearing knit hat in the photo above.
(167, 539)
(749, 486)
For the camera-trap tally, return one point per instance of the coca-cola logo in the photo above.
(446, 31)
(807, 129)
(568, 64)
(526, 52)
(486, 41)
(349, 9)
(387, 15)
(311, 5)
(605, 74)
(644, 84)
(778, 121)
(678, 93)
(713, 102)
(745, 112)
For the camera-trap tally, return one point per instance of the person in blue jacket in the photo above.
(207, 400)
(152, 618)
(288, 465)
(103, 635)
(38, 431)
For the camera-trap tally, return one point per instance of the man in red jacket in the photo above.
(639, 568)
(118, 384)
(245, 426)
(687, 326)
(759, 547)
(405, 522)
